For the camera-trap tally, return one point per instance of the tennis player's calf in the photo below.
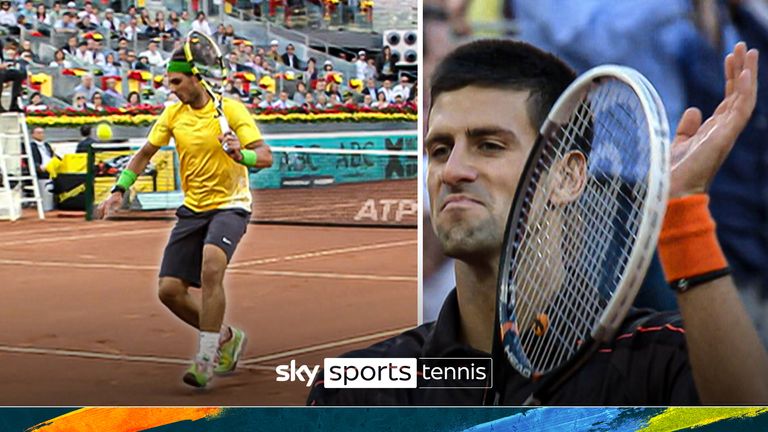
(213, 299)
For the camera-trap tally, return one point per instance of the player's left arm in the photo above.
(728, 361)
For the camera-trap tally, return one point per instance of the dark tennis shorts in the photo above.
(183, 256)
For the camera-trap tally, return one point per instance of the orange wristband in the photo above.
(688, 246)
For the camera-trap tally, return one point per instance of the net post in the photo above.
(89, 184)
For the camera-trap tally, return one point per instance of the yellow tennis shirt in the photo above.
(210, 179)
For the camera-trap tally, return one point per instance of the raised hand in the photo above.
(699, 148)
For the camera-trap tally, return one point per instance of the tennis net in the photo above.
(305, 185)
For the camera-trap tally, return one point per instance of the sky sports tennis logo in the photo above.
(393, 373)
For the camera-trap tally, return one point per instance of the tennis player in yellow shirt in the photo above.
(213, 218)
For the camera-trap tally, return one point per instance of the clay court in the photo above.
(82, 324)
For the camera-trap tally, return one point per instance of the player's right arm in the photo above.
(136, 165)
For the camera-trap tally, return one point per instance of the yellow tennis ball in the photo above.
(104, 132)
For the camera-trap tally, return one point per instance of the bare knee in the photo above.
(170, 289)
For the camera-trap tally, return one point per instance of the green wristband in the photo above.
(127, 179)
(249, 158)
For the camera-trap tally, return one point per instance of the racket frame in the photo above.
(649, 228)
(218, 98)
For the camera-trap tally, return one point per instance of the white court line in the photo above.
(323, 275)
(133, 267)
(65, 227)
(105, 356)
(245, 364)
(320, 347)
(84, 236)
(326, 252)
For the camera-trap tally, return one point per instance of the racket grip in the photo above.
(224, 129)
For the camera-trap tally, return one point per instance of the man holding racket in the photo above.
(489, 99)
(214, 216)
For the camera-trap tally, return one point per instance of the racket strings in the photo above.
(568, 259)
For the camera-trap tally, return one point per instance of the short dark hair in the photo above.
(505, 64)
(85, 130)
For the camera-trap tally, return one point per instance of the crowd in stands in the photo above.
(101, 48)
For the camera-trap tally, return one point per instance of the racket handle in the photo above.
(224, 129)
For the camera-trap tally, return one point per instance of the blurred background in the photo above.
(679, 45)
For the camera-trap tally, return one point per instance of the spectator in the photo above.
(71, 46)
(143, 64)
(80, 102)
(132, 13)
(27, 11)
(237, 88)
(152, 54)
(333, 88)
(26, 47)
(82, 54)
(322, 101)
(55, 13)
(172, 30)
(92, 13)
(299, 95)
(87, 87)
(232, 62)
(86, 24)
(10, 71)
(360, 65)
(95, 47)
(72, 9)
(134, 99)
(111, 66)
(349, 99)
(36, 103)
(65, 24)
(311, 71)
(152, 29)
(97, 102)
(7, 15)
(185, 24)
(385, 64)
(309, 101)
(403, 88)
(381, 101)
(370, 89)
(220, 35)
(334, 100)
(283, 102)
(273, 54)
(289, 57)
(230, 33)
(42, 17)
(387, 90)
(144, 18)
(85, 143)
(132, 30)
(27, 59)
(367, 101)
(370, 69)
(414, 93)
(110, 21)
(113, 93)
(269, 99)
(42, 153)
(201, 24)
(131, 60)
